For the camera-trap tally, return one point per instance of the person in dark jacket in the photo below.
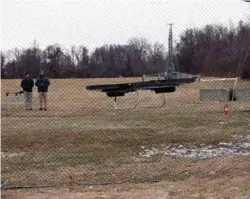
(42, 84)
(27, 85)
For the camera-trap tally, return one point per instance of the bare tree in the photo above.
(156, 59)
(80, 56)
(3, 58)
(53, 55)
(138, 53)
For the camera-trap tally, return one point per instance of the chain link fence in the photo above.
(82, 139)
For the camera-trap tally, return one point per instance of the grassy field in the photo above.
(81, 140)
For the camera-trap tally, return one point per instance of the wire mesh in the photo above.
(82, 139)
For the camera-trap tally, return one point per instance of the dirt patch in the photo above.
(200, 152)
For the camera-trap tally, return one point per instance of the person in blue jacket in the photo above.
(42, 84)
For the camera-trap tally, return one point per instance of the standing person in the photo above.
(27, 85)
(42, 84)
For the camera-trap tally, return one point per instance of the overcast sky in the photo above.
(94, 23)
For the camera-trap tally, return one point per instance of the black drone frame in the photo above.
(158, 86)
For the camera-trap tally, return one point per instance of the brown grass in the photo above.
(81, 139)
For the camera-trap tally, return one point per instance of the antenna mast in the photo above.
(170, 63)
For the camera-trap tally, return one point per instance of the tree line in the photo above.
(212, 50)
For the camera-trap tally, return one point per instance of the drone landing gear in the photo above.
(161, 105)
(138, 102)
(132, 107)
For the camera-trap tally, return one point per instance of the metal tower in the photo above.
(170, 64)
